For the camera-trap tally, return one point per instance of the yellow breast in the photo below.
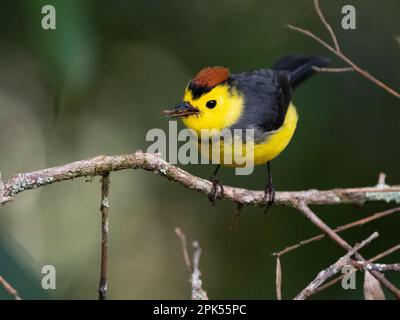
(278, 141)
(264, 151)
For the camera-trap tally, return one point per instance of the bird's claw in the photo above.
(269, 197)
(215, 184)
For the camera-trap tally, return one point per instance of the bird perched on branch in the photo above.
(258, 100)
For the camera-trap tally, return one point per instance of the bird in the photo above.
(260, 100)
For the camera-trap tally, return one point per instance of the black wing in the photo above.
(267, 96)
(268, 92)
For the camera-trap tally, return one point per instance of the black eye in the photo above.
(211, 104)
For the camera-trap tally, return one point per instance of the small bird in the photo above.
(260, 100)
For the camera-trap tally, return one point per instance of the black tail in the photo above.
(300, 67)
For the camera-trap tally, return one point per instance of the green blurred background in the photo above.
(98, 83)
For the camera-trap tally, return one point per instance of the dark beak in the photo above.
(183, 109)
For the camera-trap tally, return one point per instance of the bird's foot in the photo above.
(214, 191)
(269, 197)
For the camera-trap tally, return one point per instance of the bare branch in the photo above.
(278, 279)
(333, 269)
(333, 70)
(9, 289)
(381, 267)
(104, 208)
(182, 236)
(336, 50)
(327, 25)
(303, 207)
(100, 165)
(198, 292)
(344, 227)
(377, 257)
(311, 35)
(385, 253)
(335, 237)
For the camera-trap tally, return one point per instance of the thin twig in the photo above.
(341, 228)
(381, 267)
(385, 253)
(327, 25)
(104, 208)
(182, 236)
(361, 222)
(197, 290)
(336, 50)
(198, 293)
(373, 259)
(278, 279)
(9, 289)
(333, 70)
(333, 269)
(303, 207)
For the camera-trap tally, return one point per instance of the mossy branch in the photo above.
(300, 200)
(100, 165)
